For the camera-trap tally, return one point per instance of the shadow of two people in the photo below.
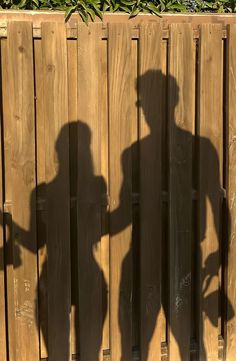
(90, 187)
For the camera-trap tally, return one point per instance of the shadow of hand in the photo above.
(212, 299)
(10, 255)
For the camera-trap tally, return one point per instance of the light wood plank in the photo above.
(105, 240)
(3, 339)
(134, 121)
(164, 174)
(231, 193)
(151, 81)
(8, 217)
(41, 197)
(181, 109)
(73, 144)
(90, 187)
(210, 147)
(57, 189)
(20, 183)
(119, 67)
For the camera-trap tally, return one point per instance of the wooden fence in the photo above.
(118, 170)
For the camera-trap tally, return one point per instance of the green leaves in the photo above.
(89, 9)
(69, 11)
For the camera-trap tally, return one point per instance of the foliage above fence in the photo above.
(88, 9)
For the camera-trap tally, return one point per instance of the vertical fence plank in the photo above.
(90, 187)
(135, 190)
(164, 175)
(3, 339)
(41, 197)
(7, 216)
(119, 67)
(181, 93)
(231, 193)
(210, 145)
(105, 240)
(20, 180)
(57, 188)
(73, 107)
(151, 81)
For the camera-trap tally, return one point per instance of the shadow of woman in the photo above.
(210, 267)
(54, 280)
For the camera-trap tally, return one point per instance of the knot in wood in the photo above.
(50, 67)
(21, 49)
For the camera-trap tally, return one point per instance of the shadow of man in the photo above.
(54, 280)
(208, 269)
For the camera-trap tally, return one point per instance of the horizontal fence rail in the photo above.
(117, 238)
(72, 31)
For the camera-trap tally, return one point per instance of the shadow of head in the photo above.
(75, 136)
(79, 135)
(79, 131)
(152, 89)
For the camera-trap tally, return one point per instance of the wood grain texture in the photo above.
(231, 192)
(150, 82)
(164, 173)
(119, 70)
(20, 180)
(57, 189)
(8, 216)
(105, 240)
(181, 107)
(3, 339)
(210, 146)
(134, 121)
(167, 18)
(41, 198)
(73, 146)
(98, 164)
(90, 185)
